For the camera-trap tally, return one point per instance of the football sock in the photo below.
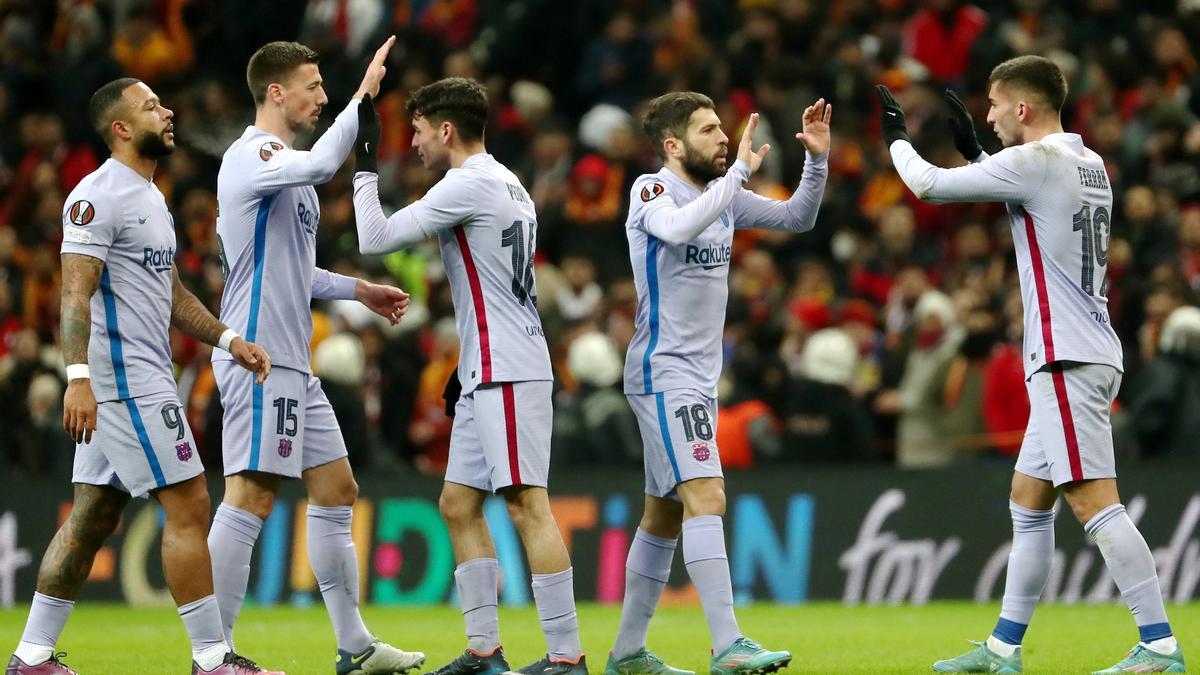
(230, 544)
(708, 567)
(478, 588)
(1132, 567)
(335, 564)
(202, 619)
(647, 568)
(1028, 568)
(554, 595)
(47, 616)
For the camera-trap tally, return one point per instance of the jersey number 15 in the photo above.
(1094, 223)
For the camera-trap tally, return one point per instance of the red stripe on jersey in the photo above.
(1064, 410)
(1039, 280)
(510, 425)
(485, 350)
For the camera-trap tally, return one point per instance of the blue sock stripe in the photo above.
(1009, 632)
(1154, 631)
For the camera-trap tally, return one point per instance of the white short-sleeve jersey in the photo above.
(116, 215)
(1060, 208)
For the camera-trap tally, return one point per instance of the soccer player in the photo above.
(680, 230)
(131, 434)
(1060, 208)
(487, 229)
(266, 228)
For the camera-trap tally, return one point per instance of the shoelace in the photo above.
(57, 658)
(243, 662)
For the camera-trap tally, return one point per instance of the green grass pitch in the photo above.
(824, 637)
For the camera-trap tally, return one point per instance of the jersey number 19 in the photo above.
(1095, 227)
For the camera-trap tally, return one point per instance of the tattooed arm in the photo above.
(80, 279)
(190, 315)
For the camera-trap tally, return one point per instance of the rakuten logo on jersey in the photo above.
(158, 259)
(711, 257)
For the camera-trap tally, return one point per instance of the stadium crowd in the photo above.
(890, 333)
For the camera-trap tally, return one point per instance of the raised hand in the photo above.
(962, 126)
(366, 145)
(815, 130)
(386, 301)
(376, 70)
(891, 117)
(745, 152)
(251, 357)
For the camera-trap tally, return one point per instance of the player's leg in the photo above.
(65, 566)
(1084, 465)
(513, 420)
(259, 428)
(1031, 504)
(332, 492)
(477, 572)
(647, 568)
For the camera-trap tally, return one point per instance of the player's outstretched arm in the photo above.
(190, 315)
(994, 179)
(80, 279)
(799, 213)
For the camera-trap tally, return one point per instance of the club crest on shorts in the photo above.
(701, 452)
(81, 212)
(285, 447)
(651, 191)
(183, 451)
(267, 150)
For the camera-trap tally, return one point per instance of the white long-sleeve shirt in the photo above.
(680, 245)
(1060, 208)
(267, 220)
(487, 232)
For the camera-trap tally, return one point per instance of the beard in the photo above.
(703, 169)
(152, 145)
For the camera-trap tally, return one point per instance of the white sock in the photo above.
(31, 654)
(210, 657)
(1166, 645)
(1001, 647)
(1131, 565)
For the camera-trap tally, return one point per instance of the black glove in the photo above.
(962, 126)
(891, 117)
(451, 392)
(367, 142)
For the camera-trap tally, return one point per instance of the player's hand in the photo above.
(387, 301)
(891, 117)
(745, 152)
(452, 391)
(962, 126)
(79, 410)
(814, 133)
(251, 357)
(375, 70)
(366, 145)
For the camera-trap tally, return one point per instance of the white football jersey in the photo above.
(1060, 207)
(267, 220)
(487, 232)
(119, 217)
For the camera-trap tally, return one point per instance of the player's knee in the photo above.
(454, 511)
(95, 514)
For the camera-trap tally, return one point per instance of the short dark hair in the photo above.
(668, 116)
(459, 100)
(274, 62)
(105, 106)
(1036, 74)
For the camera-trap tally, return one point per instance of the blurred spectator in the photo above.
(1167, 392)
(822, 419)
(941, 35)
(616, 63)
(430, 426)
(594, 424)
(921, 440)
(151, 50)
(339, 362)
(579, 297)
